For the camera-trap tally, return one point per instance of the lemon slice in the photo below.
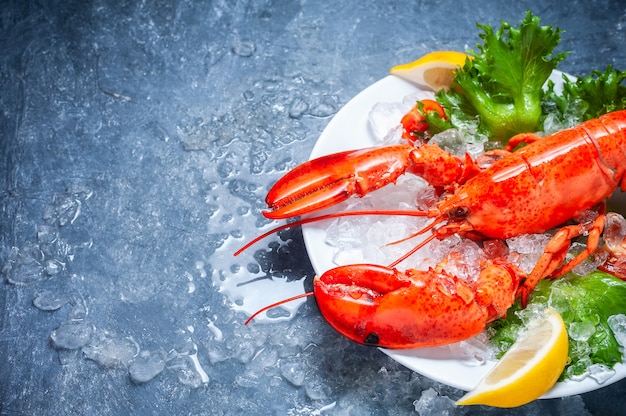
(434, 70)
(528, 369)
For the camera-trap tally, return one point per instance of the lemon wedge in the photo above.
(434, 70)
(528, 369)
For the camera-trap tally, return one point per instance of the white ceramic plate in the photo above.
(349, 130)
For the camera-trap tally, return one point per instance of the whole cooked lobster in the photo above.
(550, 182)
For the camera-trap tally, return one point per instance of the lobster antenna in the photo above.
(280, 302)
(329, 216)
(420, 232)
(413, 250)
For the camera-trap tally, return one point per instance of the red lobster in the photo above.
(543, 185)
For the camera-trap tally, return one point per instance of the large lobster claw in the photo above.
(328, 180)
(381, 306)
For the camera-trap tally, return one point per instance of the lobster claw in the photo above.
(381, 306)
(328, 180)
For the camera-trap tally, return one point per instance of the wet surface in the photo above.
(137, 142)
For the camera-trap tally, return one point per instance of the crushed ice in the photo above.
(432, 403)
(617, 323)
(384, 117)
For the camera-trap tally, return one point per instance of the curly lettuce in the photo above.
(588, 97)
(502, 85)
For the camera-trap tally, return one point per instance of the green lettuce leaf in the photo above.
(587, 97)
(502, 85)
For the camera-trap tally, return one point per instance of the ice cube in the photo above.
(617, 323)
(293, 369)
(590, 264)
(451, 141)
(601, 373)
(348, 255)
(441, 248)
(425, 197)
(460, 141)
(431, 403)
(581, 331)
(614, 230)
(464, 260)
(384, 117)
(572, 115)
(475, 350)
(579, 350)
(393, 136)
(317, 389)
(529, 247)
(579, 370)
(552, 123)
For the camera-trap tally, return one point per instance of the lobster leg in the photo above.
(550, 262)
(489, 157)
(526, 138)
(381, 306)
(328, 180)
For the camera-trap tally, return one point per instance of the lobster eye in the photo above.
(458, 213)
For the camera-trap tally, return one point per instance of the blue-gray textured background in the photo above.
(137, 141)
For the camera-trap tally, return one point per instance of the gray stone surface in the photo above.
(137, 141)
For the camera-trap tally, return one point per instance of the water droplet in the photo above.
(243, 47)
(185, 361)
(79, 310)
(24, 265)
(49, 301)
(71, 335)
(322, 111)
(66, 209)
(298, 107)
(225, 169)
(254, 268)
(111, 351)
(53, 267)
(146, 366)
